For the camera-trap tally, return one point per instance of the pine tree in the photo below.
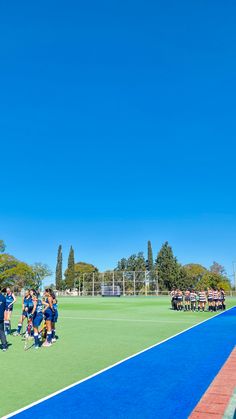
(167, 267)
(70, 271)
(150, 257)
(2, 246)
(59, 268)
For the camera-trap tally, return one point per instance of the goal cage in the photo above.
(114, 283)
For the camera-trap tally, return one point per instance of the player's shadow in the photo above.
(8, 345)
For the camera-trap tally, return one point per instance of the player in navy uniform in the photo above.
(2, 311)
(27, 307)
(48, 315)
(37, 316)
(55, 316)
(10, 300)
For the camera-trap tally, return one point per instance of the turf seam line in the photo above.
(110, 366)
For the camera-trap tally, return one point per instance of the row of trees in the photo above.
(18, 274)
(165, 269)
(171, 273)
(73, 275)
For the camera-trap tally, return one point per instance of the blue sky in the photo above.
(117, 126)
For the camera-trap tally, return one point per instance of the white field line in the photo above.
(124, 320)
(110, 367)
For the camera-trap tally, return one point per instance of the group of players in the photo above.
(35, 309)
(213, 299)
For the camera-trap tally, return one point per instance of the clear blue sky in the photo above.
(117, 126)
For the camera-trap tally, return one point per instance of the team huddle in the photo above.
(213, 299)
(39, 313)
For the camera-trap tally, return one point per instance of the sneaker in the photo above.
(36, 346)
(4, 349)
(16, 334)
(46, 344)
(54, 340)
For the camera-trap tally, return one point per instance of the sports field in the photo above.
(93, 334)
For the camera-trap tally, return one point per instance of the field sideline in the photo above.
(93, 334)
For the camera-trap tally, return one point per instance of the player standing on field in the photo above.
(10, 300)
(37, 317)
(2, 311)
(48, 315)
(27, 307)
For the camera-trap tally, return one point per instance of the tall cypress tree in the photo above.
(150, 257)
(70, 272)
(59, 268)
(168, 267)
(2, 246)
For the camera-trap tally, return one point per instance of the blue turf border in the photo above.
(166, 381)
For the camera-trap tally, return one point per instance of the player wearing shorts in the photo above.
(210, 299)
(55, 316)
(10, 300)
(215, 299)
(193, 296)
(179, 300)
(222, 299)
(175, 299)
(48, 315)
(37, 317)
(187, 300)
(202, 300)
(27, 307)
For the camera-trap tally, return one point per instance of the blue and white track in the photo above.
(165, 381)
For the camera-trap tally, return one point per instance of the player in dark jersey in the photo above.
(222, 299)
(175, 299)
(172, 296)
(179, 300)
(48, 315)
(37, 317)
(27, 307)
(55, 316)
(10, 300)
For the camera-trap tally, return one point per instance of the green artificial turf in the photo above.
(93, 334)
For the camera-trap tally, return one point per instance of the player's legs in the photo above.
(7, 321)
(36, 323)
(20, 324)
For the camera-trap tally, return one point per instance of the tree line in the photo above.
(165, 268)
(17, 274)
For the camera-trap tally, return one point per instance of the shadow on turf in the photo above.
(8, 345)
